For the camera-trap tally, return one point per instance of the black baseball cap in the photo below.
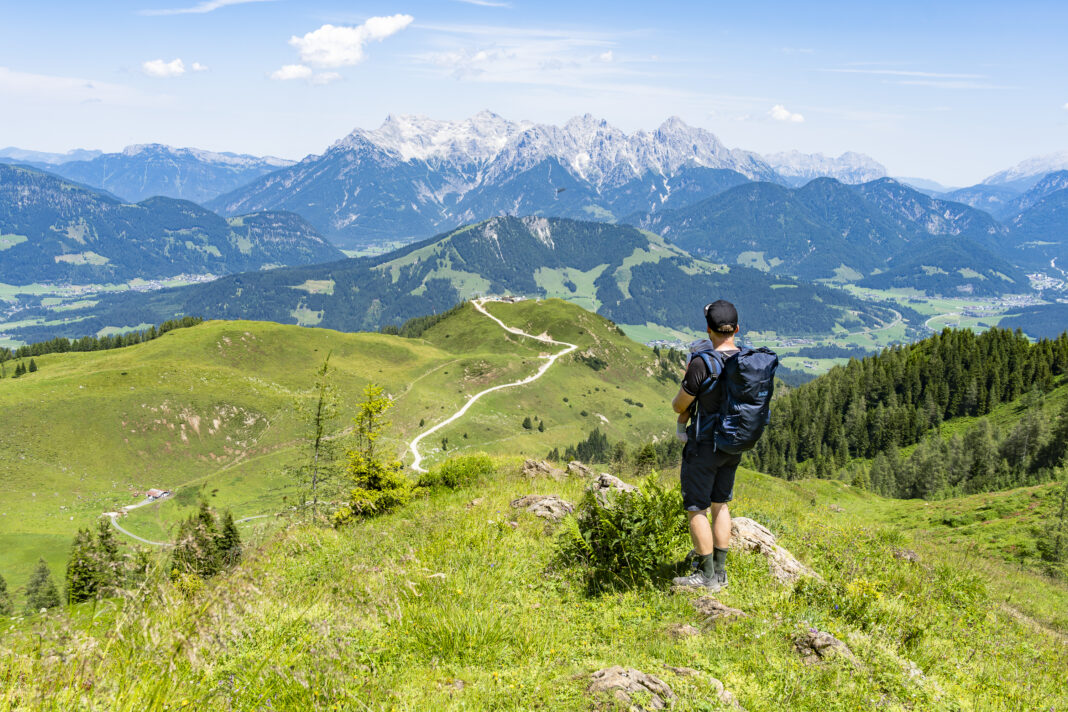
(721, 316)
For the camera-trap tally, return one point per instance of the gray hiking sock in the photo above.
(706, 565)
(719, 559)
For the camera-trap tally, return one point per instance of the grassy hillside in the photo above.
(212, 407)
(459, 602)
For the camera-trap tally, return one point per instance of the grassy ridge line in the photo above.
(91, 432)
(394, 611)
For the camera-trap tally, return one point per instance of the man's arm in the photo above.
(681, 402)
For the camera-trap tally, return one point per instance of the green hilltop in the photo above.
(213, 407)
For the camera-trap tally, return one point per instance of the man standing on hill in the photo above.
(707, 473)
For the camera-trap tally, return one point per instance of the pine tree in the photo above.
(541, 426)
(109, 566)
(33, 366)
(41, 591)
(7, 608)
(376, 483)
(319, 469)
(229, 542)
(527, 425)
(82, 581)
(196, 548)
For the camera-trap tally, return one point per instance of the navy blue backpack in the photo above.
(733, 405)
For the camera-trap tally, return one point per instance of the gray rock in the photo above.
(541, 468)
(713, 610)
(577, 469)
(606, 486)
(836, 508)
(546, 506)
(682, 630)
(723, 695)
(749, 535)
(906, 555)
(815, 646)
(621, 683)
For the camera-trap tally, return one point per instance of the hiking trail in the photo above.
(550, 360)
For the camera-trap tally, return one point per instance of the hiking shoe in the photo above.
(698, 579)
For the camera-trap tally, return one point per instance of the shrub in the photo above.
(459, 471)
(631, 542)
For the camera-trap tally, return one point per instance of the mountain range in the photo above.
(628, 275)
(147, 170)
(53, 230)
(848, 233)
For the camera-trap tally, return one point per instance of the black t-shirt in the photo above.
(697, 372)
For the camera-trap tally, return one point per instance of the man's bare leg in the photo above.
(701, 532)
(721, 526)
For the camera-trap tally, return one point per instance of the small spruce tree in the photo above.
(109, 565)
(527, 425)
(376, 483)
(41, 592)
(33, 366)
(82, 581)
(229, 542)
(541, 426)
(196, 548)
(7, 608)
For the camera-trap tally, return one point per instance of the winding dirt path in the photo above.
(550, 360)
(413, 446)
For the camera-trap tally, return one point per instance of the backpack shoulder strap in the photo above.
(714, 364)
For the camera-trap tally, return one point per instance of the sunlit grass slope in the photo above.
(213, 407)
(459, 602)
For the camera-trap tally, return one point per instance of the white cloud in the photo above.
(1066, 106)
(334, 46)
(199, 8)
(606, 56)
(292, 71)
(164, 70)
(198, 67)
(781, 113)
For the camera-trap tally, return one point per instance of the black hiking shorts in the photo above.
(707, 476)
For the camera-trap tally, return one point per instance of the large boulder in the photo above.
(547, 506)
(622, 683)
(541, 468)
(815, 646)
(577, 469)
(606, 486)
(750, 535)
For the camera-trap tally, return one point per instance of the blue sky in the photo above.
(951, 91)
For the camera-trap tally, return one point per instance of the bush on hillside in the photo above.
(632, 542)
(459, 471)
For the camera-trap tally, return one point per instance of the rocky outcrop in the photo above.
(577, 469)
(546, 506)
(541, 468)
(906, 555)
(713, 610)
(815, 646)
(749, 535)
(622, 683)
(682, 630)
(606, 486)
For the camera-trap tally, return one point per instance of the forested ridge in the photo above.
(869, 408)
